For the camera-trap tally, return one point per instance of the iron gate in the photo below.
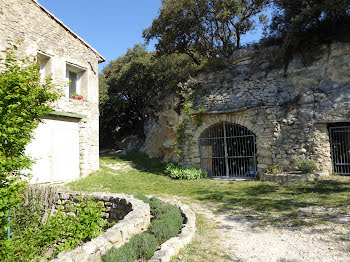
(228, 150)
(340, 149)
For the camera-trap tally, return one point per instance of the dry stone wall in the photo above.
(289, 109)
(172, 246)
(132, 216)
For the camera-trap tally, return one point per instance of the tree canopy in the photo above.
(296, 22)
(132, 86)
(190, 32)
(204, 28)
(300, 16)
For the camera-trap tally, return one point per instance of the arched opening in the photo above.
(228, 150)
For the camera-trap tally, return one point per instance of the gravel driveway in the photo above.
(241, 241)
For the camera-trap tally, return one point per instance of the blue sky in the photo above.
(111, 26)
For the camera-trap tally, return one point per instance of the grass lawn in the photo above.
(292, 204)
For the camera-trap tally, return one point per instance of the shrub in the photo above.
(305, 165)
(144, 245)
(176, 171)
(125, 253)
(24, 99)
(64, 230)
(159, 208)
(166, 227)
(167, 222)
(308, 166)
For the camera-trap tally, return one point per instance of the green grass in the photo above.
(295, 204)
(202, 248)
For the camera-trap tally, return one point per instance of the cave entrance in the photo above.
(228, 151)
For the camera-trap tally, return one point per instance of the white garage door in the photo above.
(56, 150)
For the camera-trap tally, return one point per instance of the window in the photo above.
(77, 78)
(73, 83)
(45, 65)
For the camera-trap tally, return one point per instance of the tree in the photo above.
(135, 84)
(24, 99)
(297, 21)
(203, 28)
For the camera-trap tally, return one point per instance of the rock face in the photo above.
(161, 132)
(289, 109)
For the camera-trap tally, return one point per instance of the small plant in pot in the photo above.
(77, 97)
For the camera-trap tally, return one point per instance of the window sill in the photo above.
(80, 100)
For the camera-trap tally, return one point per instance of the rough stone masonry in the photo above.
(289, 108)
(38, 32)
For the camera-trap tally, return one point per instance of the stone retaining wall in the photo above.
(116, 207)
(132, 217)
(171, 247)
(284, 178)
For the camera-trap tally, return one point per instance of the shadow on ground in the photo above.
(292, 204)
(139, 161)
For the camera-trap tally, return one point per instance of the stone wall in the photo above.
(25, 21)
(115, 207)
(132, 216)
(172, 246)
(288, 108)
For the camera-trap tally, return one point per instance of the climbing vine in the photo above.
(24, 99)
(191, 114)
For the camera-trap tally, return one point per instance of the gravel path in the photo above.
(243, 242)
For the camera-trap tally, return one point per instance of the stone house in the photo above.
(66, 143)
(258, 112)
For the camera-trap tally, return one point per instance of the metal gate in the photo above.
(228, 150)
(340, 149)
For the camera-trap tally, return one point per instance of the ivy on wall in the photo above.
(191, 115)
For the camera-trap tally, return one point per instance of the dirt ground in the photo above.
(234, 238)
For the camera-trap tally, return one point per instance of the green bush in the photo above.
(125, 253)
(24, 99)
(166, 227)
(144, 245)
(167, 222)
(159, 208)
(305, 165)
(308, 166)
(176, 171)
(64, 230)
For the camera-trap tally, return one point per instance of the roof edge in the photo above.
(101, 58)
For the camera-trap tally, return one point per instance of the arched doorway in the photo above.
(228, 150)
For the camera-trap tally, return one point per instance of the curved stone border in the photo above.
(136, 221)
(174, 244)
(284, 178)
